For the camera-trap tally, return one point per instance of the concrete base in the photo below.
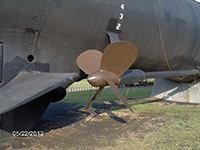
(174, 91)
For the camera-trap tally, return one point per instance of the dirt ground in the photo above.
(75, 129)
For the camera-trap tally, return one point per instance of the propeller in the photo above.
(106, 68)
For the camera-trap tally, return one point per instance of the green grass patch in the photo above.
(82, 83)
(181, 130)
(107, 95)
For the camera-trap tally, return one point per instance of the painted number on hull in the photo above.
(122, 7)
(118, 26)
(121, 16)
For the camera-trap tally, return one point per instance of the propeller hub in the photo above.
(97, 79)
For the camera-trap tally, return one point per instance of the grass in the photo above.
(83, 97)
(82, 83)
(107, 95)
(181, 130)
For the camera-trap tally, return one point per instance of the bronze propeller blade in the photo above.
(118, 57)
(119, 94)
(94, 97)
(89, 61)
(105, 69)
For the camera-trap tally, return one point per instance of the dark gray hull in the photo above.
(55, 32)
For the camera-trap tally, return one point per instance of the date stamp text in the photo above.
(27, 133)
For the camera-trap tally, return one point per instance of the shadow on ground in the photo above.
(61, 114)
(67, 127)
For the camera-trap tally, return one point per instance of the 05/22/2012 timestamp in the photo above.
(27, 133)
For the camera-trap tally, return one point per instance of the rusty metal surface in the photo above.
(118, 57)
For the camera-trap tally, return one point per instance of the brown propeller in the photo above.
(106, 68)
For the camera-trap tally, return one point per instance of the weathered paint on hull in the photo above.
(55, 32)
